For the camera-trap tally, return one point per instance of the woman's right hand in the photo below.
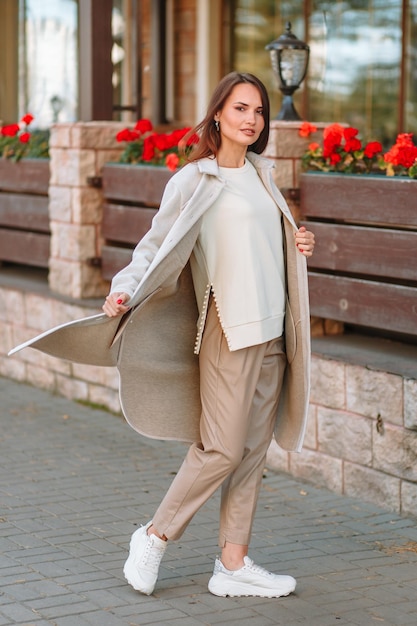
(114, 304)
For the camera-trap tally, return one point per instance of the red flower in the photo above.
(372, 149)
(171, 161)
(335, 158)
(27, 119)
(143, 126)
(404, 139)
(148, 148)
(306, 129)
(127, 135)
(350, 133)
(352, 144)
(335, 131)
(151, 147)
(332, 139)
(10, 131)
(24, 137)
(403, 156)
(162, 142)
(177, 135)
(193, 139)
(342, 151)
(403, 153)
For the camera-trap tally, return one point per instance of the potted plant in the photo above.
(362, 201)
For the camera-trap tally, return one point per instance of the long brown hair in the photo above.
(210, 140)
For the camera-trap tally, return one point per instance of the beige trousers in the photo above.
(239, 395)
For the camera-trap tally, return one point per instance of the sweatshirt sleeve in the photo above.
(127, 279)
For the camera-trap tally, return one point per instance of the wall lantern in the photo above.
(289, 60)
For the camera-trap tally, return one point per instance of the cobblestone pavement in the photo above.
(76, 481)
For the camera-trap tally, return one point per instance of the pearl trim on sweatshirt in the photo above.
(203, 316)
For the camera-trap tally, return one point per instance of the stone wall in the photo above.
(361, 438)
(29, 310)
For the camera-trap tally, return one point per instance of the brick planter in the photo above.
(24, 218)
(364, 270)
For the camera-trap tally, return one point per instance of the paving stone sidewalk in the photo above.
(76, 481)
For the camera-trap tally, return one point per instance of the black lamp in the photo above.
(289, 59)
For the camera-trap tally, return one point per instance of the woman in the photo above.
(248, 265)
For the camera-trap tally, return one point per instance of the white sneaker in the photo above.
(145, 555)
(249, 580)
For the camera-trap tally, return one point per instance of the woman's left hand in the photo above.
(304, 240)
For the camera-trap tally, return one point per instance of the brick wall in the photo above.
(78, 152)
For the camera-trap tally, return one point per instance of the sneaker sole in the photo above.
(258, 592)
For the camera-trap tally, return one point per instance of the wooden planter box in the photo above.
(24, 217)
(364, 269)
(133, 194)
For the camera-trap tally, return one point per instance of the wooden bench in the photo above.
(364, 269)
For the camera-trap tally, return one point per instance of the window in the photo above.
(363, 59)
(410, 82)
(48, 79)
(354, 73)
(126, 61)
(255, 24)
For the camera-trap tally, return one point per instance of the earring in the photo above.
(217, 125)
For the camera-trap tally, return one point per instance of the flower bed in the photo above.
(144, 146)
(343, 152)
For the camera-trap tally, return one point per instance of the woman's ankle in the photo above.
(232, 556)
(152, 531)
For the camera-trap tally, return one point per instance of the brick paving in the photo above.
(76, 481)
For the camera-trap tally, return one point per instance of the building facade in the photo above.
(68, 60)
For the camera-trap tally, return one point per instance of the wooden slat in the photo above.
(378, 305)
(22, 247)
(142, 185)
(24, 211)
(377, 199)
(25, 176)
(368, 251)
(125, 223)
(114, 259)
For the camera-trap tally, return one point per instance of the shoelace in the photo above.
(258, 569)
(152, 556)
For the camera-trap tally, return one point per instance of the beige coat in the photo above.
(152, 345)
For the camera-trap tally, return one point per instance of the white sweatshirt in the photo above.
(240, 245)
